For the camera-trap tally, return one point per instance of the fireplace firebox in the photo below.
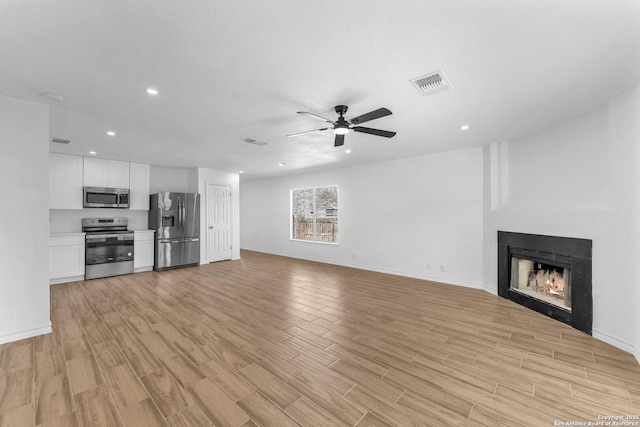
(548, 274)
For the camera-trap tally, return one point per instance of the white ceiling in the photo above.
(229, 70)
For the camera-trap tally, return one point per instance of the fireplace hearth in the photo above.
(548, 274)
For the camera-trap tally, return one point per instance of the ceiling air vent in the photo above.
(61, 141)
(254, 142)
(432, 83)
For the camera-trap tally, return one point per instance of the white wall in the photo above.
(171, 179)
(210, 176)
(395, 216)
(70, 220)
(24, 246)
(579, 179)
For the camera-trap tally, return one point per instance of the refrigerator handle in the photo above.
(184, 217)
(179, 213)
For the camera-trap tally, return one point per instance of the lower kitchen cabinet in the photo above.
(143, 247)
(66, 257)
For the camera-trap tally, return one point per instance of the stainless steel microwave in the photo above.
(101, 197)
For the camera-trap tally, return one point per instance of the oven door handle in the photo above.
(104, 242)
(103, 237)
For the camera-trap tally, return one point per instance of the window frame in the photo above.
(314, 213)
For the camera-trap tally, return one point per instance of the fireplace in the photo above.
(548, 274)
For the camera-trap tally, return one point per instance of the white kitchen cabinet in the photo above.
(143, 247)
(66, 257)
(105, 173)
(138, 186)
(65, 181)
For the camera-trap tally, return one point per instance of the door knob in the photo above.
(210, 227)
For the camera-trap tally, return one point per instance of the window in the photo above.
(314, 214)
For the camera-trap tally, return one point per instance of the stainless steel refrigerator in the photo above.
(175, 217)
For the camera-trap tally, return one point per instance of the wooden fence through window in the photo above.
(326, 229)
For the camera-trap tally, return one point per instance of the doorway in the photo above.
(218, 222)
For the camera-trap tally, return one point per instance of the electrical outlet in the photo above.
(442, 268)
(428, 266)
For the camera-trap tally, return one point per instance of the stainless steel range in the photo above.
(108, 247)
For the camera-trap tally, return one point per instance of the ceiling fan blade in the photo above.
(376, 114)
(339, 141)
(306, 132)
(315, 116)
(378, 132)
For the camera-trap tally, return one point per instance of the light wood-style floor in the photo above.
(274, 341)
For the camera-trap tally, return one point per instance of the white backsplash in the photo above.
(70, 220)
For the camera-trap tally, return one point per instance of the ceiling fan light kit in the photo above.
(342, 126)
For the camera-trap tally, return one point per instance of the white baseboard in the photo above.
(28, 333)
(636, 353)
(142, 269)
(60, 280)
(490, 289)
(430, 278)
(616, 342)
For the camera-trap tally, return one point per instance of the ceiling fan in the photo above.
(341, 127)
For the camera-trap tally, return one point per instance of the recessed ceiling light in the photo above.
(151, 91)
(347, 151)
(240, 171)
(111, 133)
(281, 164)
(92, 153)
(464, 127)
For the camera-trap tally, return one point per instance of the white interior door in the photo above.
(218, 222)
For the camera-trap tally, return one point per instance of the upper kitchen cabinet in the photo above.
(105, 173)
(138, 186)
(65, 181)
